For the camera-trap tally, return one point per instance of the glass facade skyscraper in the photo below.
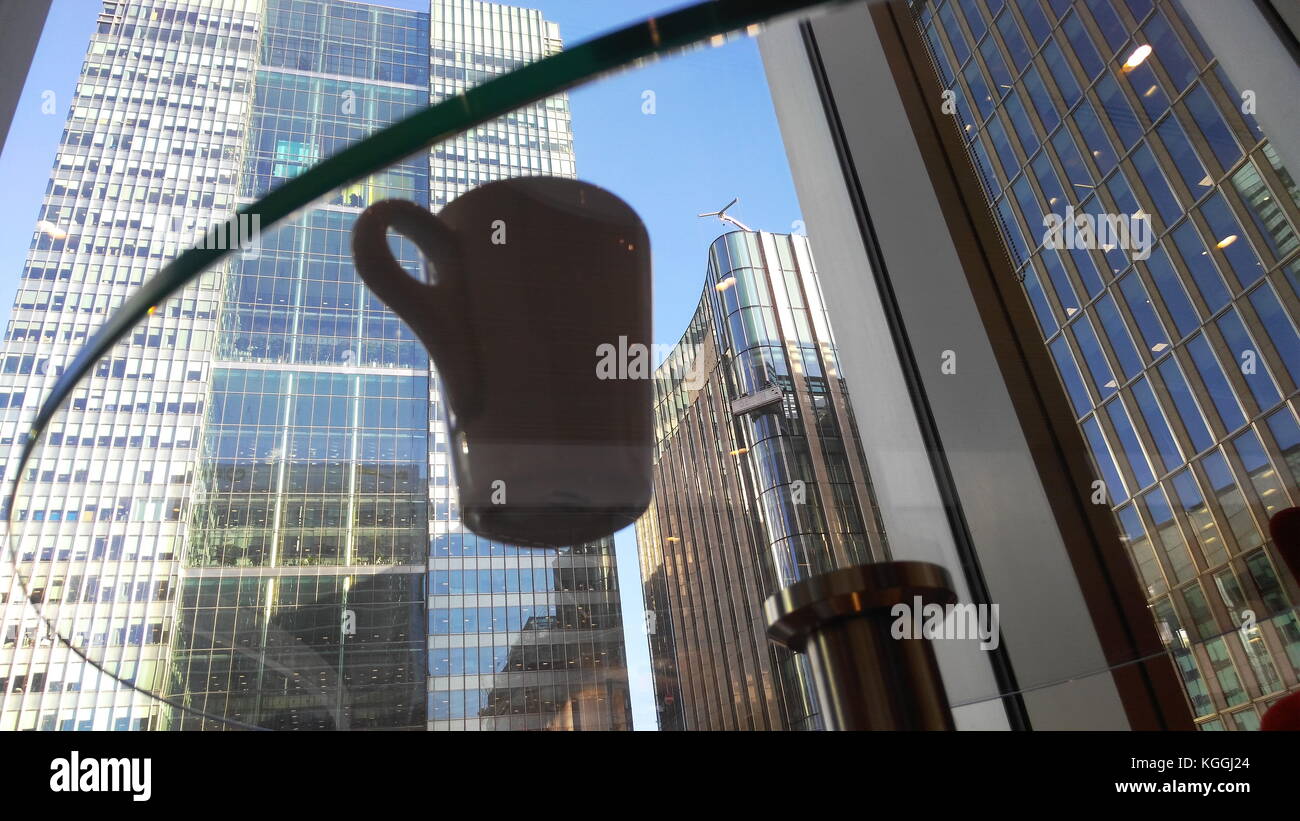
(1181, 364)
(759, 482)
(311, 505)
(281, 544)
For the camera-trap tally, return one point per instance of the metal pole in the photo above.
(865, 678)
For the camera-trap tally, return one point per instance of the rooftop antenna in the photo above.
(725, 217)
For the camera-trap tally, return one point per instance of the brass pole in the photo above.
(865, 678)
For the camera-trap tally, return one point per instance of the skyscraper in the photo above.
(280, 544)
(152, 147)
(303, 591)
(1172, 356)
(759, 482)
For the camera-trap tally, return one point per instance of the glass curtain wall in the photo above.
(1181, 358)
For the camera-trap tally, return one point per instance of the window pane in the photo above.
(1265, 578)
(1087, 270)
(970, 10)
(1102, 378)
(1116, 490)
(1152, 414)
(1153, 179)
(1226, 673)
(1060, 71)
(1020, 124)
(1234, 599)
(1128, 440)
(1188, 411)
(1034, 19)
(992, 185)
(1170, 287)
(1070, 376)
(960, 48)
(1011, 230)
(1136, 233)
(1109, 23)
(1281, 332)
(1094, 138)
(1140, 548)
(1076, 173)
(1184, 156)
(1015, 42)
(1288, 628)
(1213, 128)
(1061, 283)
(1252, 642)
(1249, 359)
(1221, 393)
(1042, 101)
(1084, 51)
(997, 67)
(1139, 305)
(1050, 184)
(1265, 211)
(1002, 146)
(940, 56)
(1197, 260)
(1230, 241)
(979, 89)
(1120, 341)
(1169, 51)
(1172, 633)
(1234, 94)
(1029, 207)
(1268, 488)
(1287, 434)
(1240, 520)
(1200, 520)
(1139, 8)
(1170, 536)
(1115, 107)
(1198, 608)
(1149, 92)
(1038, 299)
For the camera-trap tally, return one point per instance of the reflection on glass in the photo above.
(758, 467)
(1216, 384)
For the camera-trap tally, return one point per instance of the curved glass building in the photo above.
(759, 482)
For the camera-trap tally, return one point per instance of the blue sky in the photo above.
(713, 137)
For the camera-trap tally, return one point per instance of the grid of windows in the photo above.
(313, 469)
(278, 310)
(498, 611)
(310, 468)
(1178, 364)
(352, 40)
(151, 152)
(300, 119)
(287, 652)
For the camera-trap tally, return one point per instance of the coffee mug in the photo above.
(528, 281)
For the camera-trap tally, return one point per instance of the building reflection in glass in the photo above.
(1182, 366)
(759, 482)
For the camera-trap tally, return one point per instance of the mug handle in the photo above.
(437, 312)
